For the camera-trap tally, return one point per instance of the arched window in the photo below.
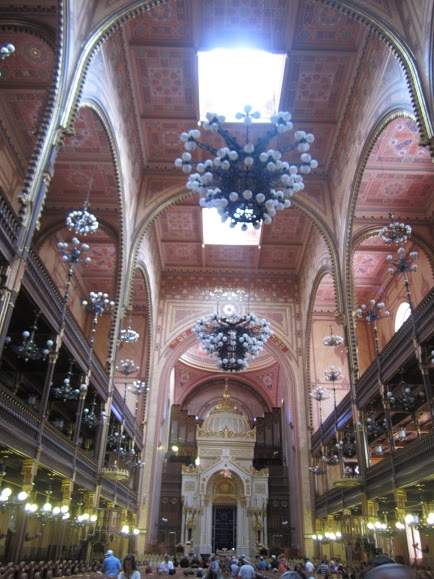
(402, 314)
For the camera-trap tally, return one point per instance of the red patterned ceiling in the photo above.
(153, 59)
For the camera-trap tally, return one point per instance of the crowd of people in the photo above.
(231, 566)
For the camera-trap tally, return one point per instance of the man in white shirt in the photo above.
(309, 566)
(166, 566)
(246, 570)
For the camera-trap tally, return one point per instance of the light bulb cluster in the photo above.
(378, 526)
(246, 183)
(82, 221)
(372, 312)
(47, 511)
(125, 530)
(129, 335)
(332, 459)
(99, 303)
(332, 340)
(319, 394)
(28, 349)
(7, 50)
(395, 232)
(317, 470)
(407, 400)
(232, 340)
(127, 367)
(403, 263)
(85, 519)
(66, 391)
(74, 253)
(138, 387)
(91, 419)
(333, 374)
(375, 428)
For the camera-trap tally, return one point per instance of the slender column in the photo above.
(67, 488)
(29, 470)
(11, 279)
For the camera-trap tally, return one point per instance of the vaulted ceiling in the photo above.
(154, 58)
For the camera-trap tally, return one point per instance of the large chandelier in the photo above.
(395, 232)
(247, 183)
(232, 340)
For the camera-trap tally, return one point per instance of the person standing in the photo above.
(247, 571)
(274, 563)
(234, 567)
(111, 566)
(130, 570)
(323, 568)
(309, 566)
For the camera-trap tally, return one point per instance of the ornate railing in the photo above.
(9, 226)
(407, 466)
(129, 420)
(49, 300)
(328, 429)
(17, 421)
(20, 427)
(115, 490)
(399, 348)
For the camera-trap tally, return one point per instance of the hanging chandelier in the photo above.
(29, 349)
(246, 183)
(82, 221)
(129, 335)
(66, 391)
(395, 232)
(403, 263)
(317, 470)
(232, 340)
(90, 418)
(332, 340)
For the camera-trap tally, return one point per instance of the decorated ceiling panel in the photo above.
(325, 297)
(235, 23)
(231, 256)
(151, 66)
(180, 223)
(399, 173)
(318, 25)
(280, 257)
(168, 22)
(89, 136)
(287, 227)
(182, 254)
(316, 84)
(370, 268)
(405, 191)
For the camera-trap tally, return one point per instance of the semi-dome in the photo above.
(224, 416)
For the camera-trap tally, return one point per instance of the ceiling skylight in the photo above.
(231, 79)
(217, 233)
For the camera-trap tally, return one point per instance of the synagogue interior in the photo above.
(216, 324)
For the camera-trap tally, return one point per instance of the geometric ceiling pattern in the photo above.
(154, 56)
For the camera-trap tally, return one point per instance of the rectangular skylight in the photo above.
(217, 233)
(231, 79)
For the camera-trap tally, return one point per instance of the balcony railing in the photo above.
(397, 352)
(9, 228)
(48, 299)
(19, 429)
